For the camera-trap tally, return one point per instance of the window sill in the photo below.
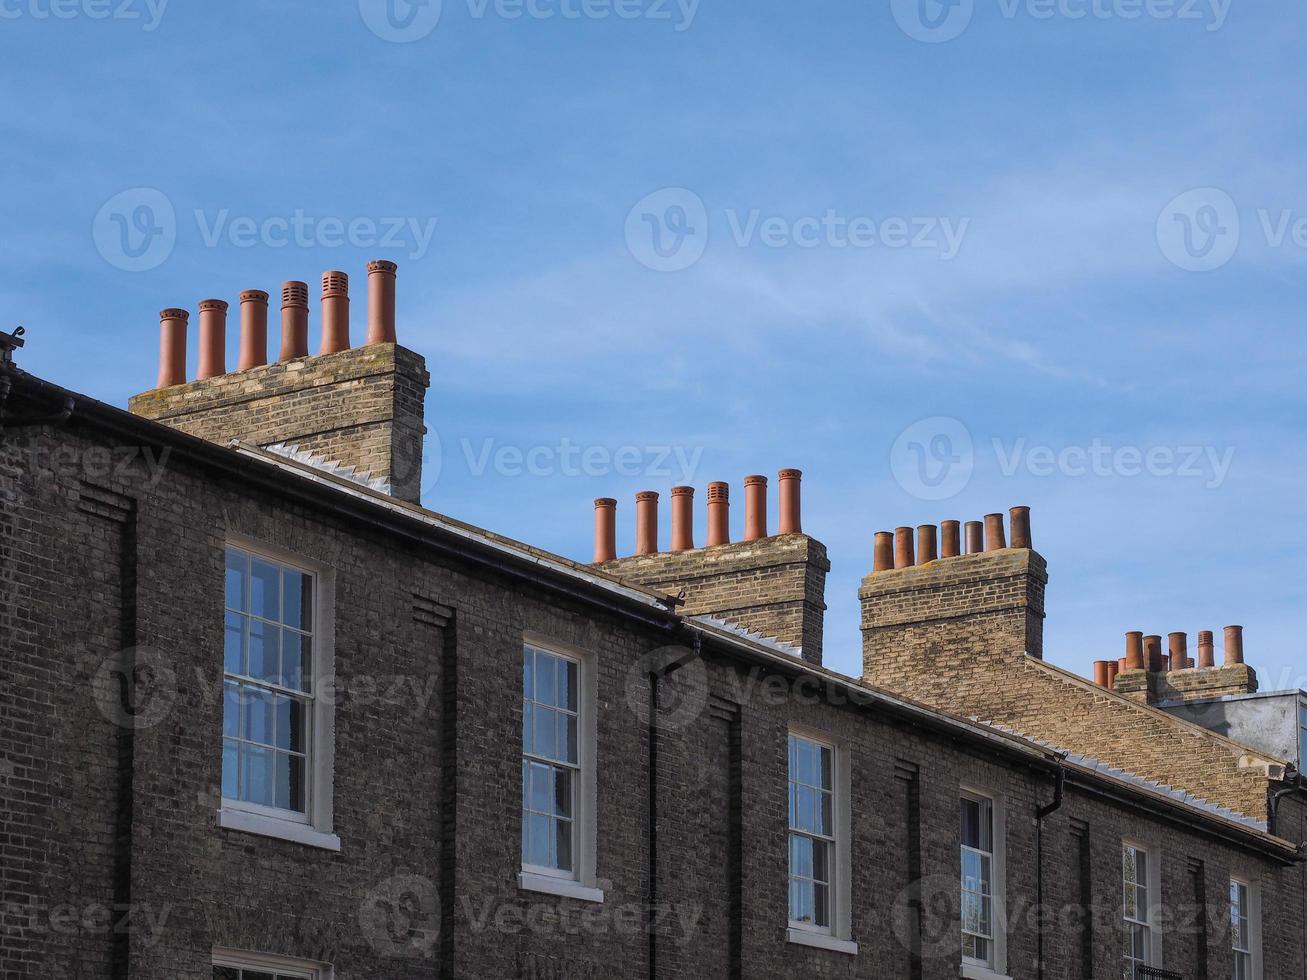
(973, 972)
(819, 940)
(297, 833)
(563, 887)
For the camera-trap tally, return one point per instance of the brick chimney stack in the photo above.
(772, 585)
(361, 407)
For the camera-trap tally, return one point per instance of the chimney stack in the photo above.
(1020, 526)
(1233, 645)
(294, 320)
(927, 544)
(646, 523)
(755, 507)
(1134, 651)
(605, 529)
(172, 347)
(790, 482)
(903, 547)
(335, 312)
(951, 546)
(682, 518)
(719, 513)
(213, 338)
(975, 537)
(254, 329)
(1206, 649)
(381, 301)
(994, 539)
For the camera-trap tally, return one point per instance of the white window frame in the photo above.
(1253, 913)
(1153, 886)
(314, 827)
(974, 969)
(838, 937)
(582, 882)
(264, 962)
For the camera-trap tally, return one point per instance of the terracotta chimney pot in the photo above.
(1134, 651)
(975, 537)
(172, 347)
(927, 544)
(719, 514)
(951, 543)
(605, 529)
(682, 518)
(1101, 673)
(213, 338)
(1020, 517)
(903, 547)
(789, 486)
(1153, 653)
(1113, 668)
(254, 329)
(1206, 649)
(1177, 644)
(1233, 645)
(994, 539)
(755, 507)
(294, 320)
(646, 523)
(335, 312)
(883, 552)
(381, 301)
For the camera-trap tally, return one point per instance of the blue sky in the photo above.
(1063, 234)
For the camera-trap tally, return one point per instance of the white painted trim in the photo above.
(1157, 911)
(566, 887)
(973, 972)
(1254, 921)
(586, 875)
(821, 940)
(244, 960)
(998, 810)
(322, 724)
(265, 826)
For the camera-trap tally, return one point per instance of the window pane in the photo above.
(541, 788)
(825, 819)
(539, 840)
(259, 719)
(805, 809)
(806, 771)
(265, 589)
(569, 685)
(803, 902)
(296, 671)
(230, 770)
(237, 570)
(226, 973)
(290, 782)
(563, 792)
(233, 643)
(263, 651)
(827, 766)
(564, 845)
(545, 733)
(970, 823)
(821, 905)
(821, 860)
(546, 678)
(297, 603)
(528, 673)
(528, 742)
(290, 723)
(801, 856)
(567, 738)
(231, 709)
(258, 775)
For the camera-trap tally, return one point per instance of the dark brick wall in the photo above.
(427, 775)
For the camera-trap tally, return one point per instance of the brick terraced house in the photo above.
(262, 715)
